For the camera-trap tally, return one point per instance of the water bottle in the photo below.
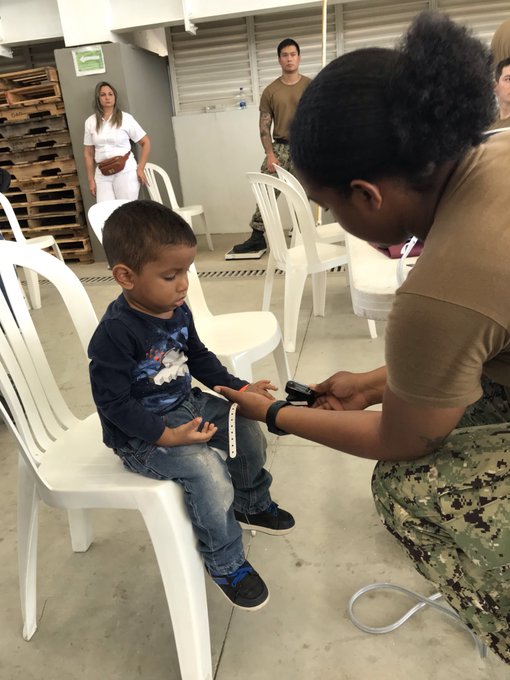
(242, 99)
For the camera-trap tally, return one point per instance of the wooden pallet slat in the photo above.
(34, 94)
(38, 197)
(45, 140)
(62, 231)
(27, 112)
(35, 126)
(35, 155)
(43, 169)
(41, 183)
(27, 77)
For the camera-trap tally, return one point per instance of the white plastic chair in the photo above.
(373, 279)
(41, 242)
(99, 213)
(64, 463)
(329, 233)
(238, 339)
(311, 257)
(187, 212)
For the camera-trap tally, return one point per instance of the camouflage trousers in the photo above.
(282, 152)
(451, 512)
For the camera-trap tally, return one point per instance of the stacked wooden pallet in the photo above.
(35, 147)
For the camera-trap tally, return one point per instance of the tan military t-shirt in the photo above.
(451, 318)
(500, 123)
(281, 100)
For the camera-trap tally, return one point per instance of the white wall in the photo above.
(214, 151)
(28, 21)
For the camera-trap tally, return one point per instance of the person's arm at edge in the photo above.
(88, 152)
(265, 121)
(145, 143)
(401, 431)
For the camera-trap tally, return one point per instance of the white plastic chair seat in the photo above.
(329, 255)
(373, 280)
(79, 464)
(191, 210)
(241, 338)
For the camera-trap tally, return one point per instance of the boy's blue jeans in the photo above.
(214, 485)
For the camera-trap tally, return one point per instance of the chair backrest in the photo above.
(100, 212)
(152, 171)
(290, 179)
(26, 379)
(264, 187)
(13, 220)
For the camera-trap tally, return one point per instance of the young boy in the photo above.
(144, 354)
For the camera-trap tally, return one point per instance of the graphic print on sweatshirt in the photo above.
(162, 379)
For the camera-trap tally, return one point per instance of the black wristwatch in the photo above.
(271, 414)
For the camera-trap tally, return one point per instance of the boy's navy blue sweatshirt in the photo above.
(141, 368)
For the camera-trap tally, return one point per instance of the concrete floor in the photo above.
(102, 614)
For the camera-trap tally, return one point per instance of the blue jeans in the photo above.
(214, 484)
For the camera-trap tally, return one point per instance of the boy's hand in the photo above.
(187, 433)
(262, 387)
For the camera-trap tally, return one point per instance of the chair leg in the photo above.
(28, 515)
(206, 231)
(34, 293)
(57, 252)
(268, 283)
(294, 286)
(319, 283)
(282, 364)
(372, 329)
(183, 578)
(80, 528)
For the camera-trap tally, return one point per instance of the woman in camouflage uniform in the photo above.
(391, 141)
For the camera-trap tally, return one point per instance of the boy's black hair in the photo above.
(135, 232)
(500, 67)
(287, 42)
(399, 113)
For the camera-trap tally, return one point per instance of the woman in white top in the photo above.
(108, 133)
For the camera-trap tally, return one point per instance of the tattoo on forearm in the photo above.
(265, 125)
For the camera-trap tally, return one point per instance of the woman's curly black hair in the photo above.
(396, 113)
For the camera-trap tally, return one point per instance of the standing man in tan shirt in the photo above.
(277, 107)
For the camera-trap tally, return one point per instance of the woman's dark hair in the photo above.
(499, 68)
(287, 42)
(136, 231)
(116, 118)
(378, 113)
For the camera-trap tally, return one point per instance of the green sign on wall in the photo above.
(88, 60)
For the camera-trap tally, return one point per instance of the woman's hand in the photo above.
(251, 405)
(92, 186)
(344, 391)
(262, 387)
(141, 175)
(187, 433)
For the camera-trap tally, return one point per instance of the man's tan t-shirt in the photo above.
(281, 100)
(450, 321)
